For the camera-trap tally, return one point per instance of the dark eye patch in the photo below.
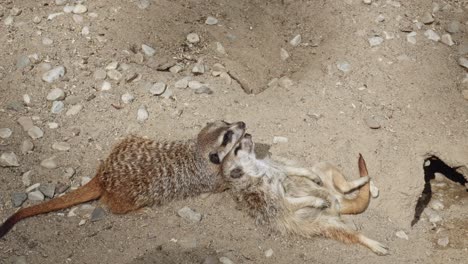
(227, 137)
(237, 149)
(214, 158)
(236, 173)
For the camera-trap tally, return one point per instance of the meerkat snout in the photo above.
(229, 135)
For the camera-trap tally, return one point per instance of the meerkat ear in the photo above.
(214, 158)
(237, 173)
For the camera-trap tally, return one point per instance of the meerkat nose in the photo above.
(241, 124)
(248, 136)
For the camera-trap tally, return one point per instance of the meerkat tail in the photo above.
(91, 191)
(361, 202)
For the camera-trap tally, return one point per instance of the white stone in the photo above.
(443, 242)
(149, 51)
(220, 49)
(157, 88)
(8, 159)
(402, 235)
(278, 139)
(33, 187)
(447, 40)
(432, 35)
(114, 75)
(26, 99)
(52, 125)
(78, 19)
(85, 31)
(54, 74)
(56, 94)
(436, 205)
(57, 107)
(35, 132)
(269, 253)
(68, 9)
(49, 163)
(193, 38)
(211, 21)
(36, 196)
(54, 15)
(106, 86)
(80, 9)
(112, 66)
(375, 41)
(367, 2)
(189, 214)
(344, 66)
(61, 146)
(26, 178)
(5, 132)
(296, 40)
(27, 146)
(225, 260)
(411, 37)
(284, 55)
(8, 21)
(142, 114)
(74, 110)
(198, 68)
(195, 85)
(374, 190)
(47, 41)
(181, 84)
(127, 98)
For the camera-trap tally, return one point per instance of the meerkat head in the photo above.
(239, 160)
(217, 139)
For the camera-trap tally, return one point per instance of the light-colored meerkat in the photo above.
(295, 200)
(140, 172)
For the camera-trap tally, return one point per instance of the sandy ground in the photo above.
(413, 92)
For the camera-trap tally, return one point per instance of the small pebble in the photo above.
(203, 90)
(181, 84)
(8, 159)
(432, 215)
(375, 41)
(80, 9)
(52, 125)
(167, 94)
(198, 68)
(15, 11)
(98, 214)
(74, 110)
(344, 66)
(35, 132)
(57, 107)
(61, 188)
(142, 114)
(143, 4)
(211, 260)
(465, 94)
(17, 199)
(85, 180)
(463, 62)
(436, 205)
(411, 37)
(69, 172)
(85, 31)
(279, 139)
(82, 222)
(443, 242)
(27, 146)
(189, 214)
(447, 40)
(193, 38)
(372, 123)
(54, 74)
(432, 35)
(106, 86)
(402, 235)
(149, 51)
(187, 243)
(100, 74)
(367, 2)
(176, 68)
(380, 18)
(225, 260)
(5, 132)
(374, 190)
(220, 48)
(127, 98)
(36, 196)
(427, 18)
(47, 189)
(453, 27)
(114, 75)
(33, 187)
(157, 88)
(226, 77)
(68, 9)
(26, 178)
(211, 21)
(61, 146)
(77, 19)
(47, 41)
(22, 62)
(285, 82)
(49, 163)
(269, 253)
(195, 85)
(26, 99)
(112, 66)
(284, 55)
(56, 94)
(296, 40)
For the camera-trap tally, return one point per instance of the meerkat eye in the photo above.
(227, 137)
(214, 158)
(236, 173)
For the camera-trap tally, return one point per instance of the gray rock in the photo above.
(432, 35)
(462, 61)
(74, 110)
(61, 188)
(142, 114)
(188, 243)
(176, 68)
(37, 19)
(47, 41)
(149, 51)
(100, 74)
(401, 234)
(225, 260)
(8, 21)
(375, 41)
(17, 199)
(26, 99)
(189, 214)
(427, 18)
(443, 242)
(66, 9)
(22, 62)
(56, 94)
(211, 21)
(98, 214)
(114, 75)
(60, 2)
(344, 66)
(112, 66)
(193, 38)
(54, 74)
(447, 40)
(181, 84)
(411, 37)
(143, 4)
(203, 90)
(25, 122)
(127, 98)
(47, 189)
(198, 68)
(167, 93)
(80, 9)
(15, 11)
(57, 107)
(69, 172)
(8, 159)
(220, 48)
(284, 55)
(36, 196)
(157, 88)
(380, 18)
(26, 178)
(61, 146)
(27, 146)
(5, 132)
(85, 31)
(106, 86)
(269, 253)
(49, 163)
(279, 139)
(296, 40)
(226, 77)
(195, 84)
(453, 27)
(77, 18)
(372, 123)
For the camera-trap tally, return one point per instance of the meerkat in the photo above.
(141, 172)
(295, 200)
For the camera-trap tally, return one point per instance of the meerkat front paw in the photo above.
(322, 203)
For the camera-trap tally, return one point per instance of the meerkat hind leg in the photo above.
(307, 201)
(339, 180)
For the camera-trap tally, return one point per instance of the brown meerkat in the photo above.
(295, 200)
(141, 172)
